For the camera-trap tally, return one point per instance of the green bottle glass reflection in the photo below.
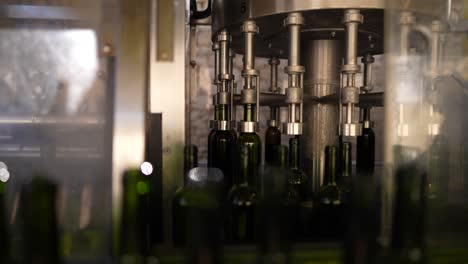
(437, 180)
(365, 147)
(296, 178)
(221, 144)
(346, 167)
(179, 202)
(242, 199)
(134, 240)
(211, 137)
(4, 236)
(330, 199)
(38, 203)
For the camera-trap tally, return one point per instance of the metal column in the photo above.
(322, 77)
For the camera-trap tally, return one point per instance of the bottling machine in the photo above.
(102, 102)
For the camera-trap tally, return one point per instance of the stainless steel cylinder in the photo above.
(407, 20)
(217, 54)
(322, 78)
(294, 38)
(274, 62)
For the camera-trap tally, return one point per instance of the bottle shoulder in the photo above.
(223, 135)
(248, 138)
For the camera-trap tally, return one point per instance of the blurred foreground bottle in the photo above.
(179, 202)
(438, 164)
(363, 218)
(38, 211)
(330, 200)
(408, 239)
(242, 201)
(134, 239)
(5, 256)
(276, 215)
(204, 215)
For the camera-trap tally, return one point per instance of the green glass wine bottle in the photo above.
(272, 138)
(344, 177)
(240, 224)
(330, 198)
(134, 240)
(4, 236)
(365, 147)
(38, 203)
(179, 202)
(275, 215)
(204, 216)
(437, 180)
(211, 136)
(297, 179)
(221, 148)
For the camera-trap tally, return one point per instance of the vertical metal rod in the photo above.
(351, 40)
(435, 48)
(257, 107)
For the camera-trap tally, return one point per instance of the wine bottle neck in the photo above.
(281, 156)
(294, 153)
(223, 113)
(330, 164)
(366, 114)
(346, 166)
(249, 113)
(248, 164)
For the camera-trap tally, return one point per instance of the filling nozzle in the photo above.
(437, 29)
(367, 60)
(407, 21)
(223, 99)
(294, 92)
(349, 91)
(274, 110)
(250, 93)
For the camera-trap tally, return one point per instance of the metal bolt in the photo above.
(167, 151)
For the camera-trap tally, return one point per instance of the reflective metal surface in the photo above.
(130, 96)
(167, 96)
(321, 120)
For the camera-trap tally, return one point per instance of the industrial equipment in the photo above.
(155, 131)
